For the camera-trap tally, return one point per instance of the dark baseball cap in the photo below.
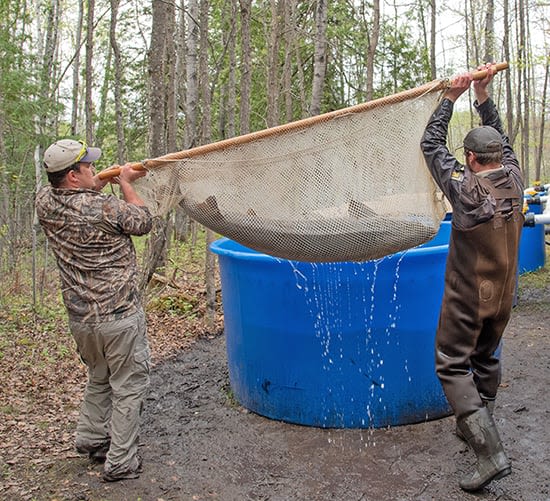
(484, 139)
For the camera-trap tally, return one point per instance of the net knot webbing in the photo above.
(352, 186)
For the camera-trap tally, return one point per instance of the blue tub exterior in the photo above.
(532, 250)
(335, 345)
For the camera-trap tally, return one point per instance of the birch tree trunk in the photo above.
(319, 57)
(206, 135)
(523, 91)
(118, 74)
(191, 104)
(88, 105)
(373, 37)
(76, 69)
(272, 115)
(170, 78)
(50, 48)
(508, 76)
(433, 32)
(246, 75)
(540, 145)
(232, 80)
(100, 119)
(181, 219)
(287, 65)
(489, 32)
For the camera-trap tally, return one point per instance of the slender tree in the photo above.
(76, 69)
(246, 74)
(540, 145)
(272, 112)
(373, 37)
(206, 136)
(192, 102)
(89, 105)
(117, 84)
(319, 57)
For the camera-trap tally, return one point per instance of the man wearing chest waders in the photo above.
(486, 196)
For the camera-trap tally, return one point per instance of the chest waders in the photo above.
(480, 281)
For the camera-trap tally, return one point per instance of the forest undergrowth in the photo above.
(42, 376)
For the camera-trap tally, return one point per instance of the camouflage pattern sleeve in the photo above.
(90, 235)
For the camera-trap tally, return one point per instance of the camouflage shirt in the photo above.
(90, 235)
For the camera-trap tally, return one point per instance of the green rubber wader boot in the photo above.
(490, 404)
(482, 436)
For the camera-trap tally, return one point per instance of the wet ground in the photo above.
(198, 444)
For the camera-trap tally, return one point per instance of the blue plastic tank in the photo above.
(532, 250)
(335, 345)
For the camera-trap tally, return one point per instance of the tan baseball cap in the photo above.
(67, 152)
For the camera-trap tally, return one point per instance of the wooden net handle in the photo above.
(480, 75)
(433, 86)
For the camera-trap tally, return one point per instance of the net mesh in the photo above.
(350, 187)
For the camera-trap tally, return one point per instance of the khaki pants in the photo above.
(117, 356)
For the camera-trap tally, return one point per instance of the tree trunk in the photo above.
(117, 84)
(433, 26)
(489, 36)
(104, 95)
(50, 49)
(157, 242)
(170, 78)
(230, 130)
(206, 135)
(191, 104)
(157, 75)
(4, 188)
(287, 65)
(272, 114)
(319, 57)
(523, 88)
(373, 37)
(181, 219)
(89, 106)
(508, 76)
(540, 145)
(246, 75)
(76, 69)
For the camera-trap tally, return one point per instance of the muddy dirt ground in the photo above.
(198, 444)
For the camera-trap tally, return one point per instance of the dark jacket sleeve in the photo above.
(469, 199)
(441, 163)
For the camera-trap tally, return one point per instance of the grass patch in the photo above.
(538, 279)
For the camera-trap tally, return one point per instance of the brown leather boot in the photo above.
(482, 436)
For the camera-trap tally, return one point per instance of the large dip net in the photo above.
(349, 185)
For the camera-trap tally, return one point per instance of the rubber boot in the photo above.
(482, 436)
(490, 404)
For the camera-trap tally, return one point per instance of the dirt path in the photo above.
(199, 445)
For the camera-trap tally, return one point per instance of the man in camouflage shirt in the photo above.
(90, 235)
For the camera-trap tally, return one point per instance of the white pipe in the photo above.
(542, 218)
(532, 219)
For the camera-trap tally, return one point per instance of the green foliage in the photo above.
(538, 279)
(177, 304)
(405, 63)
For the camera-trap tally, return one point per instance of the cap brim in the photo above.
(92, 154)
